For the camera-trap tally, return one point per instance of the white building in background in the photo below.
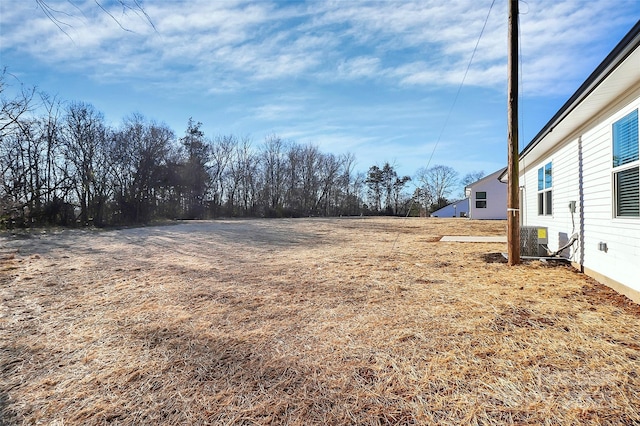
(580, 174)
(458, 208)
(488, 197)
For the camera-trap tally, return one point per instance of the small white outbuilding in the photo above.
(458, 208)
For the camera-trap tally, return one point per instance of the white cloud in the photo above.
(358, 67)
(231, 44)
(283, 110)
(560, 41)
(372, 77)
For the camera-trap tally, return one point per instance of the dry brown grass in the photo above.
(309, 321)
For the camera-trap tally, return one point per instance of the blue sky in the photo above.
(377, 79)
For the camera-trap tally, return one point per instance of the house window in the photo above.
(626, 182)
(545, 193)
(481, 200)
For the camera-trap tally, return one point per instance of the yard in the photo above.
(353, 321)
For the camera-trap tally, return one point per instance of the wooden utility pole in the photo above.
(513, 197)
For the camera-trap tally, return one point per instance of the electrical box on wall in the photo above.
(572, 206)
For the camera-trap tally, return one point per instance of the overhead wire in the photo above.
(453, 104)
(464, 77)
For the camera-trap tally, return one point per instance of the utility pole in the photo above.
(513, 197)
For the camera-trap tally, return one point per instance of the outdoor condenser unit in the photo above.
(533, 241)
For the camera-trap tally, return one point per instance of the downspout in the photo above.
(581, 205)
(523, 195)
(576, 236)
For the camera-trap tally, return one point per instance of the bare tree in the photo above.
(436, 184)
(350, 182)
(138, 156)
(13, 109)
(294, 195)
(274, 172)
(242, 180)
(20, 180)
(85, 139)
(67, 164)
(330, 168)
(311, 163)
(13, 188)
(472, 177)
(220, 153)
(50, 126)
(30, 148)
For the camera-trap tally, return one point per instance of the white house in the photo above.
(458, 208)
(487, 197)
(579, 175)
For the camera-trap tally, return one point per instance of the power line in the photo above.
(455, 99)
(464, 77)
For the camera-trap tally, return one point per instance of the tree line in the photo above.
(61, 164)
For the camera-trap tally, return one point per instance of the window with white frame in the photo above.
(545, 192)
(626, 182)
(481, 200)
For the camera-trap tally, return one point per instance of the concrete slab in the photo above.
(474, 239)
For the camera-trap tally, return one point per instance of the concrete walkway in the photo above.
(474, 239)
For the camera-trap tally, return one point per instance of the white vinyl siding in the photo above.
(596, 154)
(565, 189)
(596, 207)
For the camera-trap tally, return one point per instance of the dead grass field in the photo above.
(306, 321)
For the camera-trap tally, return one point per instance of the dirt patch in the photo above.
(307, 321)
(493, 258)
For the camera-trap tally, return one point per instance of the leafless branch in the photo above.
(51, 14)
(54, 14)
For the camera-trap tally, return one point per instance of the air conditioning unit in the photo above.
(533, 241)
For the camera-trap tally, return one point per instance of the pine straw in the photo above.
(310, 321)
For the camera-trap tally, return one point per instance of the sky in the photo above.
(413, 83)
